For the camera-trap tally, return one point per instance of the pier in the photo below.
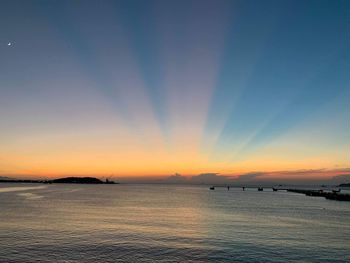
(331, 194)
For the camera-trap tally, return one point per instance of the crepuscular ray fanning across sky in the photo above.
(157, 87)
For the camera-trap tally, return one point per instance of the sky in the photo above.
(154, 88)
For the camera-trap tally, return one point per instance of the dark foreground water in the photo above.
(157, 223)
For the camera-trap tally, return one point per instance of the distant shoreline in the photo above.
(332, 194)
(65, 180)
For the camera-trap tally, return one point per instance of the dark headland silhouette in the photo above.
(79, 180)
(65, 180)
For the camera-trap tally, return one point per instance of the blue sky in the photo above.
(224, 84)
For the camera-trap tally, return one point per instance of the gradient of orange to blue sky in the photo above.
(133, 88)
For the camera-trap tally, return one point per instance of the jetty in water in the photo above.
(334, 194)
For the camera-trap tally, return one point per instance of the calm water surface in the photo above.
(158, 223)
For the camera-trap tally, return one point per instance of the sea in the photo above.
(168, 223)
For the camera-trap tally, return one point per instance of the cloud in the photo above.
(256, 178)
(210, 178)
(345, 170)
(176, 179)
(249, 176)
(304, 176)
(339, 179)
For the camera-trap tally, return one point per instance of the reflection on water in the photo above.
(143, 223)
(30, 195)
(20, 188)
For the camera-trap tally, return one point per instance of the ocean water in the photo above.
(159, 223)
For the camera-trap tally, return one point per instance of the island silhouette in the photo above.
(65, 180)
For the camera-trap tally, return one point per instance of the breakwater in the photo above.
(334, 195)
(328, 194)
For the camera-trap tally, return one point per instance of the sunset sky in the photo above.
(150, 88)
